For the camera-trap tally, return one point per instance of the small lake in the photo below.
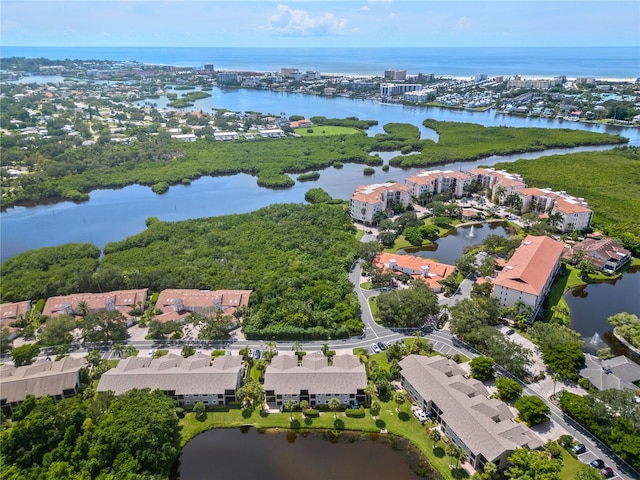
(591, 306)
(448, 249)
(247, 453)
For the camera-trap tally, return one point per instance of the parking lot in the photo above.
(588, 456)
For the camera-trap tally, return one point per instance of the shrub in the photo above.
(369, 171)
(355, 412)
(311, 413)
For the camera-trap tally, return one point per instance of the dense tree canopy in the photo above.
(561, 348)
(532, 409)
(133, 436)
(408, 307)
(46, 272)
(612, 415)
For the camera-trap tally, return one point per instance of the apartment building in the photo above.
(529, 273)
(198, 378)
(178, 303)
(121, 300)
(315, 380)
(369, 200)
(483, 427)
(575, 213)
(59, 379)
(389, 89)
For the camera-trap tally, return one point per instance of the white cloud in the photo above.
(365, 9)
(300, 22)
(462, 24)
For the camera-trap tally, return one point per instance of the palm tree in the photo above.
(304, 404)
(556, 377)
(435, 436)
(370, 390)
(290, 405)
(118, 349)
(399, 398)
(375, 408)
(324, 349)
(82, 308)
(334, 404)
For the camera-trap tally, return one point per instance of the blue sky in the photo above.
(329, 23)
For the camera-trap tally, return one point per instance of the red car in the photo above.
(607, 472)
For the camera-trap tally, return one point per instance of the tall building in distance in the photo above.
(398, 75)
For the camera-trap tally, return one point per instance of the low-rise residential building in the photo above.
(315, 380)
(482, 426)
(619, 372)
(9, 313)
(178, 303)
(529, 273)
(59, 379)
(121, 300)
(369, 200)
(428, 271)
(574, 213)
(198, 378)
(605, 253)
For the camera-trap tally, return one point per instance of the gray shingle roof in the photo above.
(345, 376)
(39, 379)
(485, 425)
(618, 372)
(198, 374)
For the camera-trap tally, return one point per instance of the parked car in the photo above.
(579, 448)
(256, 354)
(607, 472)
(510, 332)
(151, 353)
(375, 348)
(382, 346)
(597, 463)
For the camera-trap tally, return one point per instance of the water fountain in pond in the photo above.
(595, 340)
(471, 233)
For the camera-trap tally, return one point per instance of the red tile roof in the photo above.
(531, 265)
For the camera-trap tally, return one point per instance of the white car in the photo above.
(375, 348)
(151, 353)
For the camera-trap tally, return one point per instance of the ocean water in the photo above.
(599, 62)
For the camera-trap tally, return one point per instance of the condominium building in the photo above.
(482, 426)
(121, 300)
(315, 380)
(178, 303)
(389, 89)
(575, 213)
(529, 273)
(438, 181)
(198, 378)
(59, 379)
(369, 200)
(398, 75)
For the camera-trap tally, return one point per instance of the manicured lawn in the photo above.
(401, 423)
(327, 130)
(570, 465)
(375, 311)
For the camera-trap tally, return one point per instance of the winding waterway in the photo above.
(282, 455)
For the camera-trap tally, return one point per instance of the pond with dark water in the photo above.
(247, 453)
(591, 305)
(452, 246)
